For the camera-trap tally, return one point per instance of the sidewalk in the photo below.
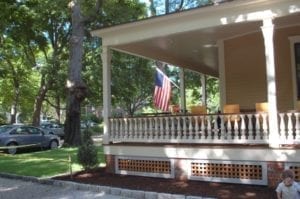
(20, 189)
(24, 187)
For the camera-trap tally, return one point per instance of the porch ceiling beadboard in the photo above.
(189, 39)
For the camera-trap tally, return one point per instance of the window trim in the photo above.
(293, 40)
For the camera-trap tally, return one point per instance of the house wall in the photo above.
(284, 67)
(245, 70)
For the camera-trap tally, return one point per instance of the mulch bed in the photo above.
(196, 188)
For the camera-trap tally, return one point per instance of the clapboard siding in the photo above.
(245, 69)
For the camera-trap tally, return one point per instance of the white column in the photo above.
(222, 78)
(267, 30)
(106, 62)
(203, 88)
(182, 90)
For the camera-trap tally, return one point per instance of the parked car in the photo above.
(87, 124)
(23, 136)
(54, 129)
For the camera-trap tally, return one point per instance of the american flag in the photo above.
(162, 91)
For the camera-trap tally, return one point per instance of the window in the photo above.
(297, 65)
(34, 131)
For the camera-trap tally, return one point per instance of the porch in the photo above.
(234, 148)
(233, 42)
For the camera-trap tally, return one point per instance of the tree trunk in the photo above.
(39, 102)
(75, 85)
(14, 110)
(57, 109)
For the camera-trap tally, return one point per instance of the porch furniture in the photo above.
(175, 108)
(231, 109)
(261, 107)
(200, 109)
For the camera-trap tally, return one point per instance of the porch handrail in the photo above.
(244, 128)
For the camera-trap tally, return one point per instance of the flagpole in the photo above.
(167, 78)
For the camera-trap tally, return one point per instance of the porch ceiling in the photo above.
(190, 39)
(196, 50)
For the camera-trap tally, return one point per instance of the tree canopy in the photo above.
(41, 51)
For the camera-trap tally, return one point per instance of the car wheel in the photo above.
(53, 144)
(12, 150)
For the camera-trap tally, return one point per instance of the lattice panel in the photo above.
(296, 170)
(221, 170)
(148, 166)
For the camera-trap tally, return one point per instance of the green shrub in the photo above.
(87, 153)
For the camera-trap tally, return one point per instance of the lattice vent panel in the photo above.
(147, 166)
(224, 170)
(296, 170)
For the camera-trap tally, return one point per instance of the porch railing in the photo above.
(249, 128)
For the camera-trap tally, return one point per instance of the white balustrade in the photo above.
(223, 129)
(297, 127)
(282, 126)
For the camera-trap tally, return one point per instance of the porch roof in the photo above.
(189, 39)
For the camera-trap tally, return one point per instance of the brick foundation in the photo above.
(110, 163)
(275, 170)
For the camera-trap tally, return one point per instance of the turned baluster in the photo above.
(156, 126)
(297, 127)
(250, 127)
(161, 128)
(222, 133)
(216, 127)
(207, 120)
(173, 127)
(197, 136)
(290, 126)
(151, 133)
(167, 132)
(131, 133)
(178, 127)
(236, 128)
(257, 125)
(282, 125)
(243, 128)
(264, 126)
(202, 128)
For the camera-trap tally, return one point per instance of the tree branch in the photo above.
(53, 105)
(93, 15)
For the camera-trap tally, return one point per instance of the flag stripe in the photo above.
(162, 91)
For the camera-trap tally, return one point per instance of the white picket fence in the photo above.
(250, 128)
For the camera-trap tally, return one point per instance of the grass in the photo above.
(43, 163)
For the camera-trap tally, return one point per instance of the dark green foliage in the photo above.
(87, 153)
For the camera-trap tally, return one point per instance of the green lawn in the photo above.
(43, 163)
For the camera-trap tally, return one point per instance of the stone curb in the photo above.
(126, 193)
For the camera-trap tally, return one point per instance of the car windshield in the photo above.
(5, 128)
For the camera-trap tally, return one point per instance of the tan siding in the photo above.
(245, 70)
(283, 67)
